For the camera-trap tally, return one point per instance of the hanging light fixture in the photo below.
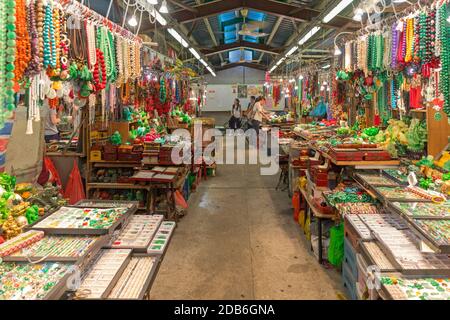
(133, 21)
(358, 14)
(337, 51)
(163, 8)
(152, 1)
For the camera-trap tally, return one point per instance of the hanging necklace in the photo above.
(99, 73)
(126, 60)
(78, 40)
(49, 38)
(9, 39)
(33, 67)
(409, 41)
(23, 46)
(91, 49)
(40, 13)
(2, 62)
(119, 56)
(437, 42)
(394, 47)
(445, 56)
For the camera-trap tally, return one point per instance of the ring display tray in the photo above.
(400, 287)
(106, 204)
(101, 276)
(375, 179)
(53, 248)
(396, 176)
(136, 279)
(23, 240)
(398, 194)
(162, 238)
(143, 176)
(423, 210)
(163, 178)
(25, 281)
(360, 227)
(138, 233)
(435, 231)
(83, 221)
(403, 249)
(376, 256)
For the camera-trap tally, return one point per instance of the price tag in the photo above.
(412, 179)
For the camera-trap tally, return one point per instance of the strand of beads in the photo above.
(393, 94)
(90, 35)
(444, 75)
(422, 36)
(100, 67)
(379, 44)
(23, 46)
(126, 60)
(10, 7)
(112, 55)
(387, 49)
(49, 38)
(437, 43)
(119, 56)
(40, 16)
(132, 62)
(57, 41)
(416, 40)
(394, 47)
(138, 48)
(33, 67)
(402, 51)
(431, 35)
(2, 61)
(409, 40)
(64, 45)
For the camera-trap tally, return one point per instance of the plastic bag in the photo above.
(296, 205)
(301, 219)
(336, 249)
(180, 201)
(49, 174)
(74, 189)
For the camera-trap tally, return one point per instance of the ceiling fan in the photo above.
(249, 29)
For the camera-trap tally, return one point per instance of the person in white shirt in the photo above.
(236, 114)
(259, 113)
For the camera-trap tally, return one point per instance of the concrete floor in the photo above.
(239, 241)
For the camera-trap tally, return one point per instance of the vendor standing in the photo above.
(51, 124)
(236, 114)
(259, 114)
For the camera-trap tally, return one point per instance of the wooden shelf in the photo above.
(65, 154)
(117, 186)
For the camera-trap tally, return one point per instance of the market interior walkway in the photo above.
(239, 241)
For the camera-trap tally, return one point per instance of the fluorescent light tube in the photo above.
(290, 52)
(194, 53)
(178, 37)
(203, 62)
(336, 10)
(309, 35)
